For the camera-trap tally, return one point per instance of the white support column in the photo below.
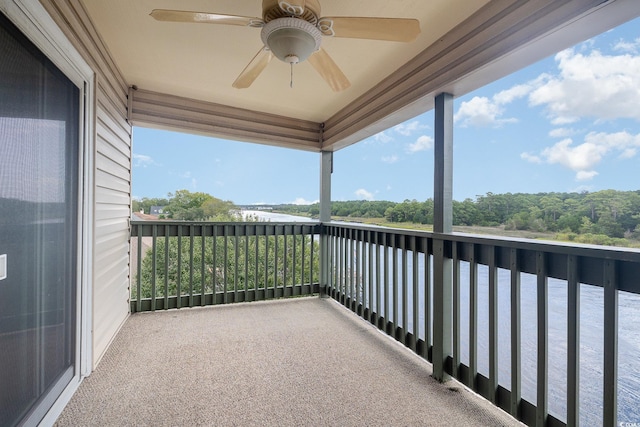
(326, 168)
(442, 223)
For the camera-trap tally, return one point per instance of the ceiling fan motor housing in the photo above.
(271, 10)
(291, 40)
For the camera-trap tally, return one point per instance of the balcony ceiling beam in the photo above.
(168, 112)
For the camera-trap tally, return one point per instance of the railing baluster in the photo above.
(302, 263)
(370, 265)
(493, 325)
(473, 318)
(543, 330)
(515, 335)
(246, 265)
(358, 277)
(364, 284)
(266, 262)
(343, 268)
(139, 275)
(427, 301)
(334, 264)
(610, 388)
(573, 344)
(456, 311)
(405, 289)
(338, 260)
(235, 263)
(285, 256)
(154, 265)
(275, 262)
(415, 291)
(225, 276)
(179, 275)
(294, 260)
(191, 244)
(202, 263)
(378, 283)
(166, 267)
(385, 247)
(256, 268)
(394, 281)
(214, 253)
(311, 242)
(350, 271)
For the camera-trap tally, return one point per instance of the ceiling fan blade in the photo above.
(392, 29)
(253, 69)
(204, 17)
(292, 7)
(329, 70)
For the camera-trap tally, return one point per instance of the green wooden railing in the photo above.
(392, 279)
(182, 264)
(386, 276)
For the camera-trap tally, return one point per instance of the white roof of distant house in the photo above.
(137, 216)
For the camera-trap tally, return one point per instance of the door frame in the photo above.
(36, 24)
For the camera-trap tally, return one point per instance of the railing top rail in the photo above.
(178, 222)
(551, 246)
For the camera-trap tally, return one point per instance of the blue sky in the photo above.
(568, 123)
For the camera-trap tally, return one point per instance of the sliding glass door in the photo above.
(39, 158)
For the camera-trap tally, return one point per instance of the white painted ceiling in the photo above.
(201, 61)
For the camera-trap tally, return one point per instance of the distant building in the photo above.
(156, 210)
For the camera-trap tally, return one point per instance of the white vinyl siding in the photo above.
(112, 185)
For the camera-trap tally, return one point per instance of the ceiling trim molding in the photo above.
(169, 112)
(498, 29)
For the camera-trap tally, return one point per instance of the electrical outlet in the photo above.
(3, 266)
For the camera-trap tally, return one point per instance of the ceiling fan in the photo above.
(292, 31)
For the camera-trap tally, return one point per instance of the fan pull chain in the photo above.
(291, 82)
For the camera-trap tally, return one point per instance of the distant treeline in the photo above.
(611, 213)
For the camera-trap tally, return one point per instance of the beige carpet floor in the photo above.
(297, 362)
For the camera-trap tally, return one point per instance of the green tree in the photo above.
(212, 264)
(215, 209)
(187, 206)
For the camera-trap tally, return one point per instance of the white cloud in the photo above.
(578, 158)
(481, 111)
(142, 161)
(408, 128)
(590, 85)
(628, 46)
(423, 143)
(585, 175)
(364, 194)
(509, 95)
(390, 159)
(561, 132)
(584, 157)
(531, 158)
(382, 137)
(303, 201)
(628, 153)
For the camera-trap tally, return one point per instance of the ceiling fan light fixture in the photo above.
(291, 40)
